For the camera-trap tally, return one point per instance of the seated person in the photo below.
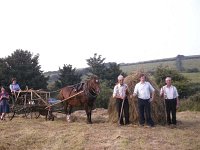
(14, 87)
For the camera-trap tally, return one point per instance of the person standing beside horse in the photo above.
(120, 94)
(145, 94)
(4, 106)
(170, 94)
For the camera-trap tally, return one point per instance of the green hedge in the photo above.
(192, 103)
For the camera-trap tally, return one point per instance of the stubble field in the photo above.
(35, 134)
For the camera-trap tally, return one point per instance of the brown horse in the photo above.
(90, 88)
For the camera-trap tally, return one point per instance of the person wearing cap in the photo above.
(14, 87)
(145, 94)
(170, 94)
(120, 94)
(4, 106)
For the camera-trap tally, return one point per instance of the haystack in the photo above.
(157, 106)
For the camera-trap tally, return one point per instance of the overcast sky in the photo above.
(71, 31)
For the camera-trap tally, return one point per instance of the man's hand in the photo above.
(151, 99)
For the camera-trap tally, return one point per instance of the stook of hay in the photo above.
(157, 106)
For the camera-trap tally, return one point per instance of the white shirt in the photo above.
(120, 90)
(14, 87)
(143, 90)
(169, 92)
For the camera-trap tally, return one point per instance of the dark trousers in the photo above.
(171, 109)
(125, 110)
(144, 107)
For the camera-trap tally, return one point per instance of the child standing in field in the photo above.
(4, 106)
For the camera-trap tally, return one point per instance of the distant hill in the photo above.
(180, 62)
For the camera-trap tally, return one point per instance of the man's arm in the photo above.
(135, 91)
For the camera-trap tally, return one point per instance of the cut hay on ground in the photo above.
(157, 106)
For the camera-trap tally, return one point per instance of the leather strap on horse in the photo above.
(65, 99)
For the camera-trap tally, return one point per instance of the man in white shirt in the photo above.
(145, 94)
(169, 92)
(120, 94)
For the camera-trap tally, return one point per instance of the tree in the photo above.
(25, 67)
(112, 71)
(67, 76)
(96, 64)
(104, 96)
(108, 73)
(162, 72)
(105, 71)
(3, 73)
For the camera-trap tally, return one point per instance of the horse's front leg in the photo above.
(69, 111)
(90, 115)
(88, 111)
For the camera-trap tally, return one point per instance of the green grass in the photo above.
(191, 63)
(191, 104)
(147, 66)
(193, 77)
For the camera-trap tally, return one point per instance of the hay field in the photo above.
(38, 134)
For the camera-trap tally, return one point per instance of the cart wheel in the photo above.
(11, 114)
(28, 112)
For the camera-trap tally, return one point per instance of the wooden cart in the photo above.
(28, 103)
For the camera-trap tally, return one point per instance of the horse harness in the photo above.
(82, 86)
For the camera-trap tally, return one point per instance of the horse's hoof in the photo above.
(68, 121)
(68, 118)
(89, 122)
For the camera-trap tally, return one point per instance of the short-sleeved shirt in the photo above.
(120, 90)
(14, 87)
(143, 90)
(169, 92)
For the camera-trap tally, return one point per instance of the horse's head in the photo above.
(93, 85)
